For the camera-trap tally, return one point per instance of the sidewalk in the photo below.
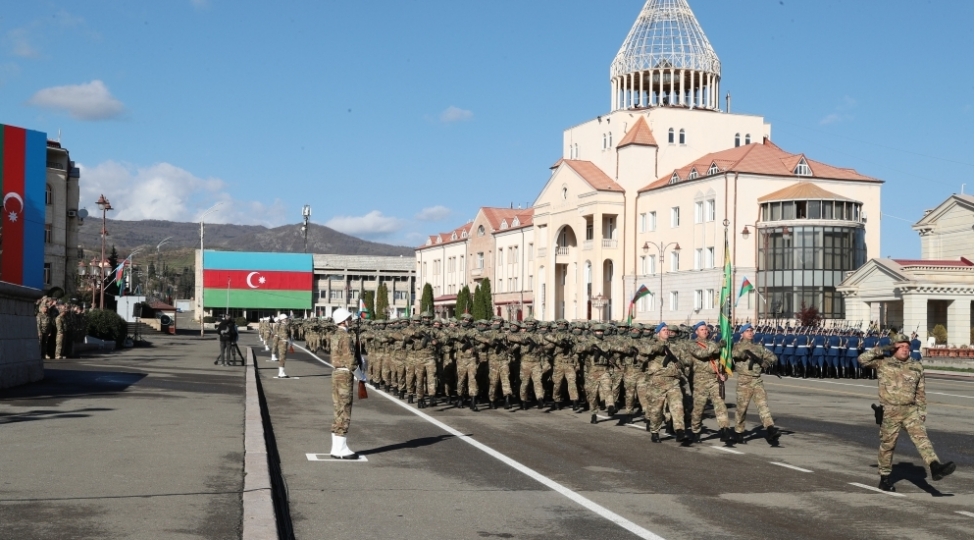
(140, 443)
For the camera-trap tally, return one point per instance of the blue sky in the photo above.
(398, 119)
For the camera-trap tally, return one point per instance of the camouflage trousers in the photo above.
(397, 369)
(467, 376)
(565, 370)
(281, 348)
(704, 390)
(616, 378)
(342, 382)
(448, 375)
(660, 392)
(58, 345)
(631, 380)
(409, 381)
(751, 389)
(375, 367)
(907, 417)
(599, 384)
(498, 372)
(426, 377)
(532, 372)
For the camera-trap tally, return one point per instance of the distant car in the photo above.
(179, 310)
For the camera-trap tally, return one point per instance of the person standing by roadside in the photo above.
(224, 332)
(345, 359)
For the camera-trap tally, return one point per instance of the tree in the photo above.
(475, 305)
(940, 334)
(426, 301)
(809, 316)
(464, 302)
(484, 305)
(382, 302)
(369, 298)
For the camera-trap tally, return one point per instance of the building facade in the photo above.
(61, 220)
(648, 193)
(341, 280)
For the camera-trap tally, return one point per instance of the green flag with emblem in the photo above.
(725, 317)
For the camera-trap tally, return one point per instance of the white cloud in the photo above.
(372, 224)
(455, 114)
(21, 45)
(88, 101)
(165, 191)
(200, 4)
(433, 213)
(846, 104)
(831, 118)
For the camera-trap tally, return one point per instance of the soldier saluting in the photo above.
(902, 405)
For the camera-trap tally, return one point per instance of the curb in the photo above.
(259, 521)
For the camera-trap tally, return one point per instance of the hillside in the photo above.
(129, 235)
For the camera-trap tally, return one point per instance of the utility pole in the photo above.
(306, 214)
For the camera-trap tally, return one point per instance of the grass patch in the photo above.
(943, 368)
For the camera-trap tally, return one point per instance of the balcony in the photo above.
(609, 243)
(587, 245)
(477, 272)
(561, 250)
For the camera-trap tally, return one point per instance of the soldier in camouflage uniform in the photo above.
(345, 360)
(566, 364)
(45, 326)
(426, 361)
(61, 327)
(533, 364)
(599, 382)
(708, 376)
(281, 341)
(465, 359)
(496, 353)
(750, 358)
(664, 375)
(901, 388)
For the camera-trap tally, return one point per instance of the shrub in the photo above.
(107, 325)
(808, 316)
(241, 321)
(940, 334)
(209, 320)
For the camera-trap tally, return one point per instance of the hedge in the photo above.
(107, 325)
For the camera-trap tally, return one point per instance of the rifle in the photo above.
(359, 360)
(752, 360)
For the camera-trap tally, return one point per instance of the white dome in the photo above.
(666, 35)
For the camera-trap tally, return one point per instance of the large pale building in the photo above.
(647, 193)
(61, 220)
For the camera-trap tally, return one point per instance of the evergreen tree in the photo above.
(476, 305)
(464, 302)
(487, 301)
(111, 290)
(382, 302)
(426, 301)
(369, 298)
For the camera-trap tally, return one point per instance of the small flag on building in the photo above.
(640, 293)
(746, 287)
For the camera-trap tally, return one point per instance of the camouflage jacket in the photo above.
(900, 382)
(743, 360)
(342, 350)
(706, 355)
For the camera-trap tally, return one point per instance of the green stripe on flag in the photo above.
(256, 299)
(725, 317)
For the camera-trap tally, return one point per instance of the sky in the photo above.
(398, 119)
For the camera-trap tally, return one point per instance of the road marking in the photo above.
(878, 490)
(725, 449)
(787, 466)
(330, 459)
(534, 475)
(969, 514)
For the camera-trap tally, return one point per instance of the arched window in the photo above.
(748, 138)
(692, 175)
(737, 140)
(610, 135)
(604, 141)
(480, 230)
(682, 139)
(670, 135)
(48, 195)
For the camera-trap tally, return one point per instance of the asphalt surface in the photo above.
(454, 473)
(140, 443)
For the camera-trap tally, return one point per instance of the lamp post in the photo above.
(104, 206)
(205, 214)
(306, 215)
(764, 232)
(661, 249)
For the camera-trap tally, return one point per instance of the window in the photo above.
(675, 217)
(682, 139)
(643, 222)
(589, 230)
(514, 282)
(480, 261)
(500, 283)
(692, 175)
(674, 301)
(47, 273)
(674, 261)
(480, 230)
(48, 234)
(802, 168)
(709, 210)
(698, 258)
(646, 303)
(698, 299)
(48, 197)
(713, 169)
(336, 295)
(748, 138)
(698, 212)
(610, 135)
(652, 218)
(737, 140)
(675, 178)
(500, 257)
(604, 141)
(709, 299)
(400, 295)
(670, 135)
(531, 251)
(528, 283)
(709, 257)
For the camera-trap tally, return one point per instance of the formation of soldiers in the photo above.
(825, 353)
(59, 327)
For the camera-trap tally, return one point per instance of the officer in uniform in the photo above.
(345, 359)
(901, 387)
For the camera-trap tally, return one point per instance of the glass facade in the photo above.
(800, 266)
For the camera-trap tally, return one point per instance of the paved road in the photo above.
(141, 443)
(448, 473)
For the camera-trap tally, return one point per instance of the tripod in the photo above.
(229, 354)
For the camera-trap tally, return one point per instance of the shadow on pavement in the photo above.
(47, 414)
(414, 443)
(916, 475)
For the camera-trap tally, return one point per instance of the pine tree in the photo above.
(464, 302)
(476, 304)
(426, 301)
(487, 301)
(382, 302)
(369, 299)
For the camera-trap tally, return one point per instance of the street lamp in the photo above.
(661, 249)
(306, 214)
(202, 254)
(104, 206)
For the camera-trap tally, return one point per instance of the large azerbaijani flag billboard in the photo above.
(23, 175)
(250, 280)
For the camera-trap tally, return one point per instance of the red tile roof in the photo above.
(800, 191)
(445, 238)
(593, 175)
(496, 216)
(639, 134)
(763, 158)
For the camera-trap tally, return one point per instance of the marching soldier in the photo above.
(708, 376)
(466, 361)
(281, 344)
(750, 359)
(902, 405)
(566, 364)
(599, 382)
(663, 384)
(61, 328)
(533, 365)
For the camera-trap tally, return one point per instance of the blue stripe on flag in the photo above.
(35, 180)
(247, 260)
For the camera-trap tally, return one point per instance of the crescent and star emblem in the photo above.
(13, 215)
(260, 280)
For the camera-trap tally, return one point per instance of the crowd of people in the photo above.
(59, 327)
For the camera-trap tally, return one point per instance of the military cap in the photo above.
(598, 327)
(698, 325)
(427, 314)
(497, 318)
(515, 324)
(452, 320)
(745, 327)
(467, 316)
(660, 327)
(899, 338)
(530, 321)
(562, 322)
(673, 328)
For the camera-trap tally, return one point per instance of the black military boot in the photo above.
(939, 471)
(523, 405)
(772, 434)
(885, 484)
(696, 438)
(592, 419)
(540, 405)
(683, 438)
(611, 410)
(474, 403)
(723, 437)
(421, 403)
(575, 405)
(670, 426)
(507, 402)
(409, 399)
(740, 437)
(654, 437)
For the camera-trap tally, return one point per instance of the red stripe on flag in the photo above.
(14, 147)
(257, 280)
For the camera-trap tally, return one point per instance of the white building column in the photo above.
(959, 321)
(916, 315)
(680, 100)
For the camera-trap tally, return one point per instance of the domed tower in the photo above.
(665, 61)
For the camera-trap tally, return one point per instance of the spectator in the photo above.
(227, 330)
